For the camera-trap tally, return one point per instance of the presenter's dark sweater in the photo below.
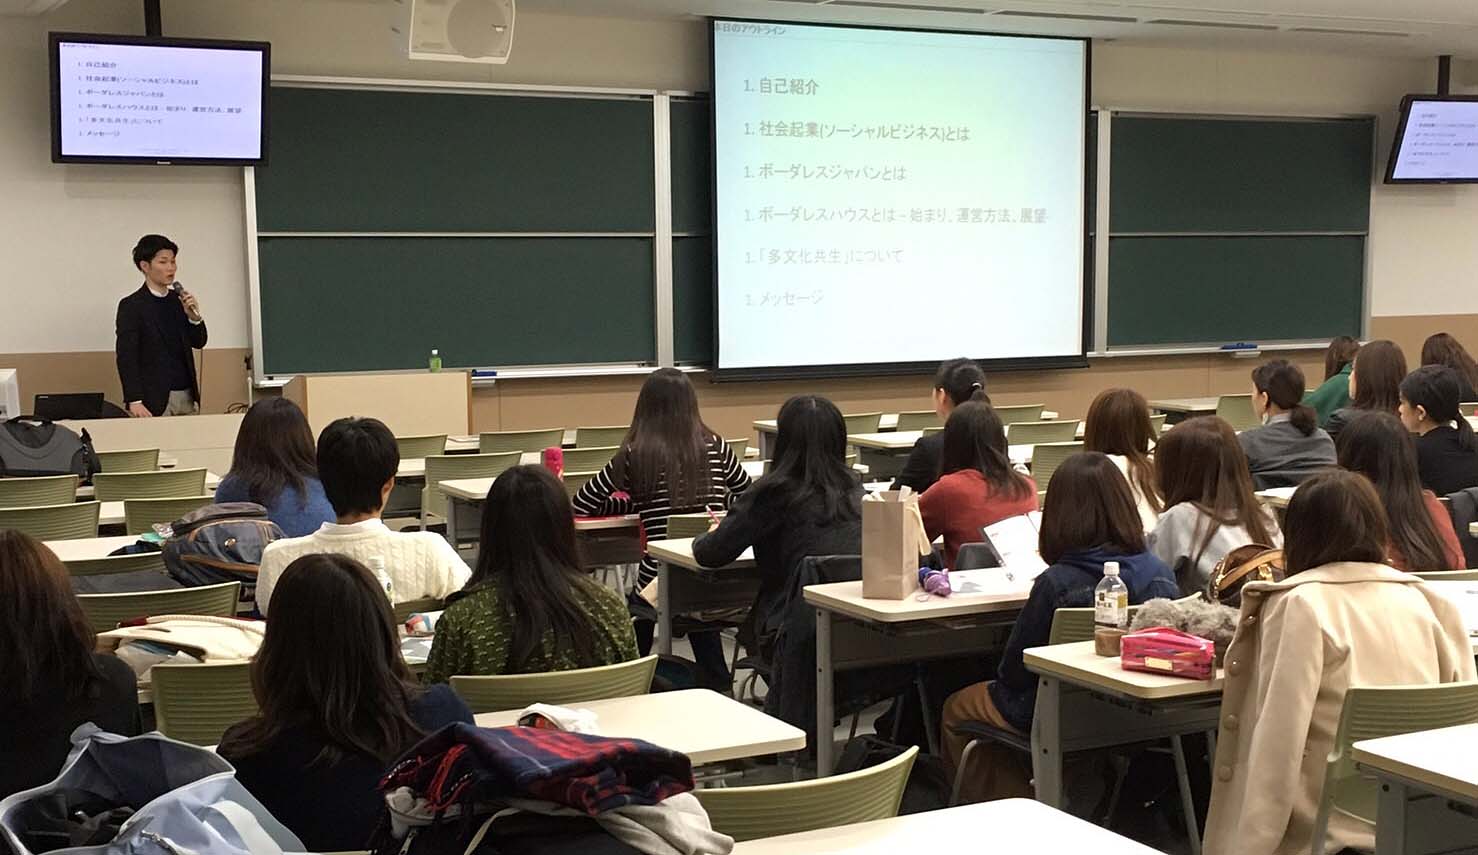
(155, 337)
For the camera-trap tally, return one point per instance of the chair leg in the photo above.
(931, 738)
(954, 791)
(856, 718)
(1187, 803)
(1121, 771)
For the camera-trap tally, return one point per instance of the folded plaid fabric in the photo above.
(462, 764)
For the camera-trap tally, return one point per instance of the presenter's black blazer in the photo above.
(143, 353)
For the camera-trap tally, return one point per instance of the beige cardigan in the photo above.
(1299, 645)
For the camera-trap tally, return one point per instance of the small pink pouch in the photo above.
(1162, 650)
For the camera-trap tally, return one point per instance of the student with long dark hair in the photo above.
(1289, 446)
(1210, 505)
(1334, 393)
(1375, 382)
(275, 465)
(1119, 425)
(669, 463)
(528, 606)
(52, 678)
(1341, 618)
(978, 487)
(957, 381)
(1442, 349)
(1089, 519)
(338, 705)
(1446, 453)
(808, 504)
(1379, 447)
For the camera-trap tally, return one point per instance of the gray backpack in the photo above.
(221, 543)
(31, 447)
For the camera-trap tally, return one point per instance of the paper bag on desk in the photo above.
(893, 544)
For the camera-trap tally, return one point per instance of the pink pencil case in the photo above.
(1163, 650)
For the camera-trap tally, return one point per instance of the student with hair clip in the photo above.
(957, 381)
(1446, 454)
(338, 705)
(978, 487)
(1289, 446)
(1379, 447)
(669, 463)
(1442, 349)
(1210, 505)
(1334, 393)
(1119, 425)
(1341, 618)
(528, 606)
(274, 464)
(1089, 519)
(1375, 382)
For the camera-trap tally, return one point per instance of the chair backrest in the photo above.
(863, 422)
(1047, 456)
(516, 691)
(589, 459)
(850, 459)
(415, 447)
(933, 430)
(687, 525)
(1157, 424)
(1237, 411)
(573, 481)
(106, 611)
(142, 562)
(403, 611)
(740, 447)
(1075, 624)
(54, 522)
(35, 492)
(1031, 433)
(140, 515)
(132, 460)
(1010, 414)
(159, 484)
(975, 556)
(918, 420)
(450, 467)
(1449, 575)
(520, 440)
(600, 437)
(196, 703)
(747, 813)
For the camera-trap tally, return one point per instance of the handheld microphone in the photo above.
(177, 288)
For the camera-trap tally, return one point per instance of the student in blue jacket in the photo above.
(1088, 518)
(275, 465)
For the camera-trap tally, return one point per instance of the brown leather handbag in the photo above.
(1253, 562)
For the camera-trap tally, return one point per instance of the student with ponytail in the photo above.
(1446, 453)
(1289, 446)
(957, 381)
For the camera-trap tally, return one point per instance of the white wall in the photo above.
(68, 229)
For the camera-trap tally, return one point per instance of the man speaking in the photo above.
(157, 327)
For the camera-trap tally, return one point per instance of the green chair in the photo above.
(1047, 456)
(1449, 576)
(132, 460)
(932, 430)
(106, 611)
(516, 691)
(140, 515)
(573, 481)
(740, 447)
(601, 437)
(1237, 411)
(1032, 433)
(159, 484)
(748, 813)
(1157, 424)
(522, 441)
(1373, 712)
(197, 702)
(687, 525)
(592, 459)
(54, 522)
(863, 422)
(403, 611)
(35, 492)
(425, 445)
(451, 467)
(918, 420)
(1010, 414)
(143, 562)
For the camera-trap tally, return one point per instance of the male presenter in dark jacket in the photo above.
(158, 326)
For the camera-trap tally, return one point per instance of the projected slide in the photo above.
(894, 196)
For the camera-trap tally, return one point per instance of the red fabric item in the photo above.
(1452, 550)
(961, 502)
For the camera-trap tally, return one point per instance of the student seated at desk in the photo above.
(1379, 447)
(1341, 618)
(1289, 446)
(978, 487)
(1334, 393)
(52, 677)
(1210, 505)
(1442, 349)
(669, 463)
(1089, 519)
(1119, 425)
(1375, 383)
(957, 381)
(357, 460)
(529, 607)
(274, 465)
(338, 705)
(810, 503)
(1446, 453)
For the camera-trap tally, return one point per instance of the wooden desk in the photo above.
(884, 453)
(1012, 825)
(755, 469)
(1180, 409)
(602, 541)
(191, 441)
(685, 586)
(1412, 768)
(1276, 497)
(706, 726)
(87, 548)
(464, 444)
(85, 492)
(764, 431)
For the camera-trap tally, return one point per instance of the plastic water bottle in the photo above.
(376, 565)
(434, 363)
(1110, 611)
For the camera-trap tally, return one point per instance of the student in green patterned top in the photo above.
(528, 607)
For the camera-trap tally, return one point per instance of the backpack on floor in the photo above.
(928, 786)
(221, 543)
(32, 447)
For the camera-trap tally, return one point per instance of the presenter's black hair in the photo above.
(150, 246)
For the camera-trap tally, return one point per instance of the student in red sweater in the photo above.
(977, 486)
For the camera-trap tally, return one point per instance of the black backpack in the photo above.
(31, 447)
(929, 783)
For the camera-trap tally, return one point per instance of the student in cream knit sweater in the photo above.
(357, 460)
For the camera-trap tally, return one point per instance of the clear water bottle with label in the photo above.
(376, 564)
(434, 363)
(1110, 611)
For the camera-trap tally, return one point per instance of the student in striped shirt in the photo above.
(669, 463)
